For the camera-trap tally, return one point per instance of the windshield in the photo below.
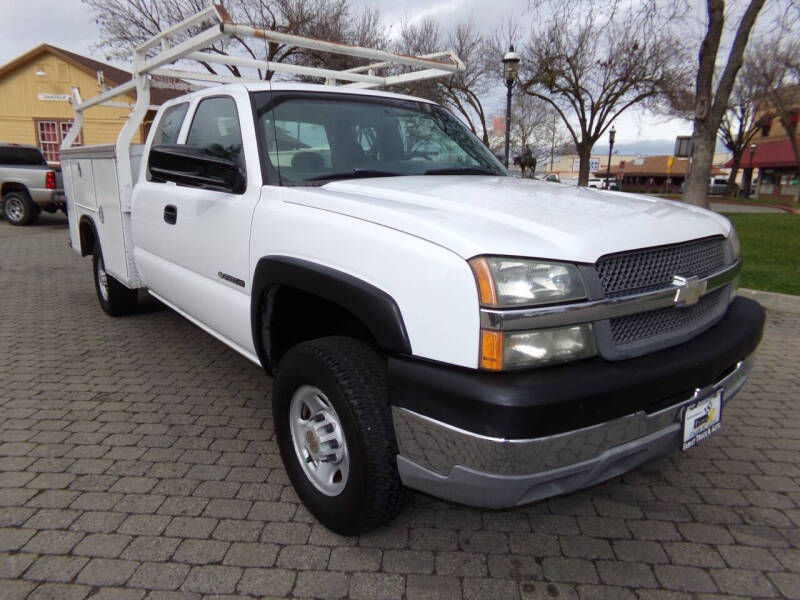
(311, 139)
(19, 155)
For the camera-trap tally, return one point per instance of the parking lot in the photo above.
(137, 461)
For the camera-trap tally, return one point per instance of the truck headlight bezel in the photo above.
(510, 282)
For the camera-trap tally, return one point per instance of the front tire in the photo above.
(115, 299)
(334, 432)
(19, 209)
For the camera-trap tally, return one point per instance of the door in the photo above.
(192, 244)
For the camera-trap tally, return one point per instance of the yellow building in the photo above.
(34, 99)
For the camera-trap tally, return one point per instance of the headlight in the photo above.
(512, 282)
(526, 349)
(733, 240)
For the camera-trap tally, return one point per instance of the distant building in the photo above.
(652, 174)
(567, 166)
(773, 156)
(35, 91)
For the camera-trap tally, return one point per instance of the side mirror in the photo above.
(193, 166)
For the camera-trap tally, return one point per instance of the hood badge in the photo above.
(689, 291)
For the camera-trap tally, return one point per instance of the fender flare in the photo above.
(374, 307)
(81, 237)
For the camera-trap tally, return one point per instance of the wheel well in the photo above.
(291, 316)
(13, 187)
(88, 236)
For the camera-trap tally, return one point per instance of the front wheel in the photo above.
(334, 432)
(19, 209)
(115, 299)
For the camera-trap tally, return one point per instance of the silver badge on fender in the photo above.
(689, 291)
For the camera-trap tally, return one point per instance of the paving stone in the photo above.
(53, 542)
(637, 575)
(60, 591)
(143, 525)
(320, 584)
(274, 582)
(684, 579)
(98, 521)
(158, 576)
(697, 555)
(200, 552)
(355, 559)
(788, 584)
(151, 548)
(14, 539)
(376, 586)
(13, 565)
(433, 587)
(251, 555)
(191, 527)
(55, 568)
(107, 572)
(570, 570)
(303, 558)
(212, 579)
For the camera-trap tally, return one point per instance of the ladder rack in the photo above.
(156, 69)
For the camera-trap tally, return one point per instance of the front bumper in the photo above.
(516, 438)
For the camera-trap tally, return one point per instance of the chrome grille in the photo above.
(654, 268)
(654, 323)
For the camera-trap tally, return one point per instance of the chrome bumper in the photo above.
(465, 467)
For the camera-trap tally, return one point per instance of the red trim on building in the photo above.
(768, 154)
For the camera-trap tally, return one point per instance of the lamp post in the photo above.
(752, 170)
(611, 135)
(510, 70)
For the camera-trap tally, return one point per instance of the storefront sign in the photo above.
(53, 97)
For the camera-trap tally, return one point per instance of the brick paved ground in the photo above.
(136, 460)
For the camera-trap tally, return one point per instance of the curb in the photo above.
(783, 207)
(772, 300)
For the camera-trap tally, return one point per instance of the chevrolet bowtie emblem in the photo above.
(689, 290)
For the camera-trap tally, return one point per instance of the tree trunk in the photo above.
(703, 142)
(737, 160)
(711, 104)
(584, 155)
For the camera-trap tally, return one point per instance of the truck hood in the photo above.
(472, 215)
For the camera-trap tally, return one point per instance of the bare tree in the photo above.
(125, 24)
(739, 123)
(463, 91)
(591, 62)
(711, 101)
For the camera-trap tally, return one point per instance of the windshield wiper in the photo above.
(353, 174)
(460, 171)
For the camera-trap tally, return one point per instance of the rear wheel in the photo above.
(115, 299)
(335, 435)
(19, 209)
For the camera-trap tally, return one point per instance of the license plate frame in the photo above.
(695, 429)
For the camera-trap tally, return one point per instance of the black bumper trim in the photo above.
(548, 401)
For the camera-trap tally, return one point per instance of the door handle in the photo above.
(171, 214)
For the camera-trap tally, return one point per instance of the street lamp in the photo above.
(510, 70)
(611, 135)
(752, 170)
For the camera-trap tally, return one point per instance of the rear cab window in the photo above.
(169, 126)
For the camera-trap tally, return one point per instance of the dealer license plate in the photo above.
(702, 419)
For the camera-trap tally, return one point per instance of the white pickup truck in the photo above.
(431, 322)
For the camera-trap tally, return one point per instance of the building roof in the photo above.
(653, 166)
(113, 76)
(777, 153)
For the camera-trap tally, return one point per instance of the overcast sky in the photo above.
(69, 24)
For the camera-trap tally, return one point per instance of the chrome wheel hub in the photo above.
(14, 209)
(318, 440)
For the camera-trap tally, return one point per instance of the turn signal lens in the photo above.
(491, 350)
(483, 276)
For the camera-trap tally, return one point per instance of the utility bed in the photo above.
(92, 186)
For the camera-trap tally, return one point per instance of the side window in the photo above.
(297, 142)
(169, 126)
(215, 129)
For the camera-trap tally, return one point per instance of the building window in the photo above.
(50, 134)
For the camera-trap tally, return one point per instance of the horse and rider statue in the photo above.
(526, 162)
